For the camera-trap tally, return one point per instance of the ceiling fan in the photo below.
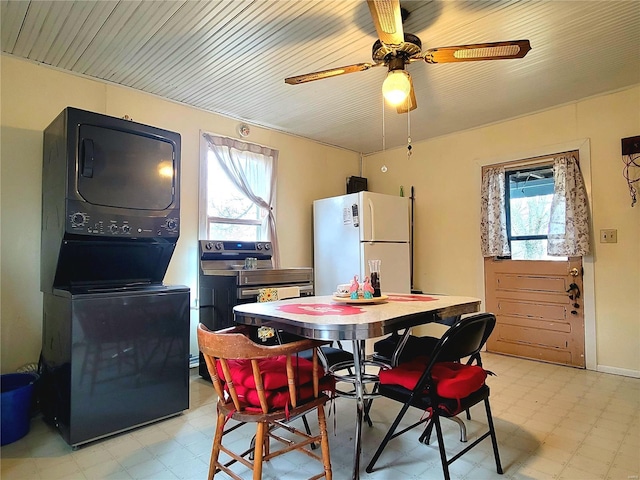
(395, 50)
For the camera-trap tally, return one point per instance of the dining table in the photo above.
(334, 318)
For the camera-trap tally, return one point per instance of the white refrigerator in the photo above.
(351, 229)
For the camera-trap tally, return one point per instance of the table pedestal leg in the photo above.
(358, 360)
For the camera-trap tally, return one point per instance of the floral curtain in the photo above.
(568, 234)
(243, 162)
(493, 224)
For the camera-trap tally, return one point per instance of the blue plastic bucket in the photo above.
(15, 402)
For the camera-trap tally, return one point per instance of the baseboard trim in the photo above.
(625, 372)
(194, 361)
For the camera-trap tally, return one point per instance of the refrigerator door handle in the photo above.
(373, 222)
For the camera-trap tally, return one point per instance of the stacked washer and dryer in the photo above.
(115, 351)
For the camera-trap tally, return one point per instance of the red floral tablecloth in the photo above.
(322, 309)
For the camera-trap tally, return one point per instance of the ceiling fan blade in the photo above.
(410, 103)
(478, 51)
(387, 19)
(309, 77)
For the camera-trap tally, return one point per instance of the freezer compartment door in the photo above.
(383, 218)
(395, 275)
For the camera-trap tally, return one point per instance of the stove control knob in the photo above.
(219, 245)
(267, 246)
(258, 246)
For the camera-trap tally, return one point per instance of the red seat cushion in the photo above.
(274, 375)
(452, 379)
(274, 372)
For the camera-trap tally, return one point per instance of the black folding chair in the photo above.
(399, 348)
(464, 339)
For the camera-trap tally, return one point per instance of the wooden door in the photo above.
(536, 318)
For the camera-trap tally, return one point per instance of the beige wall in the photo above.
(446, 175)
(444, 171)
(33, 95)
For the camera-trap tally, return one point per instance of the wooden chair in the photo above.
(244, 375)
(335, 360)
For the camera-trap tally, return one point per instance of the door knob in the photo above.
(574, 272)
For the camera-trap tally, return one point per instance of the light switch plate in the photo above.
(609, 236)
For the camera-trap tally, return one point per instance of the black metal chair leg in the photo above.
(252, 446)
(367, 406)
(494, 440)
(308, 430)
(386, 439)
(443, 453)
(426, 435)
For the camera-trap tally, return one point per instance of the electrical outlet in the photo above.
(609, 236)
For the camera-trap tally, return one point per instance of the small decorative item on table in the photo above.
(367, 289)
(355, 286)
(342, 290)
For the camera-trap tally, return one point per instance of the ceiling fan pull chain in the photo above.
(383, 169)
(383, 132)
(409, 147)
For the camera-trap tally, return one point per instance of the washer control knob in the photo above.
(219, 245)
(113, 228)
(172, 224)
(126, 229)
(258, 246)
(208, 246)
(267, 246)
(78, 219)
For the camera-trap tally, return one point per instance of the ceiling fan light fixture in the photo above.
(396, 87)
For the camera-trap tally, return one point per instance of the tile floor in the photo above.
(552, 422)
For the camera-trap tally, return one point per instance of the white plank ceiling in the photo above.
(231, 57)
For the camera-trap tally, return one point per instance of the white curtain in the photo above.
(569, 223)
(244, 163)
(493, 223)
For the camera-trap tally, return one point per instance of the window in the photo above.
(236, 190)
(534, 212)
(528, 197)
(230, 213)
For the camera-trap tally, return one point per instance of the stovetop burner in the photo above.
(226, 258)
